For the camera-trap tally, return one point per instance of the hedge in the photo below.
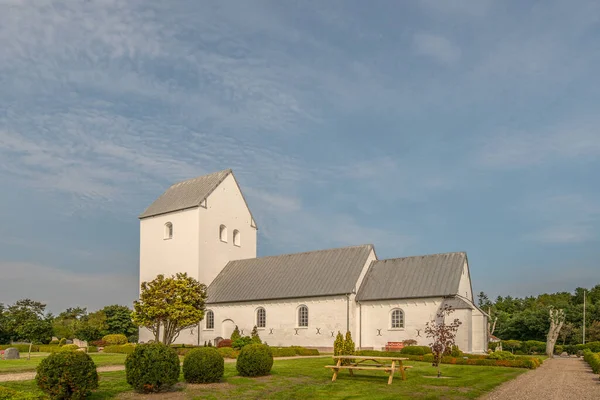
(115, 339)
(23, 348)
(203, 365)
(593, 359)
(67, 375)
(121, 348)
(228, 352)
(254, 360)
(518, 362)
(293, 351)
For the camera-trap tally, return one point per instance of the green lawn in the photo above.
(25, 365)
(307, 379)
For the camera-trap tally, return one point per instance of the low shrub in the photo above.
(303, 351)
(113, 339)
(501, 355)
(69, 347)
(456, 352)
(62, 341)
(228, 352)
(225, 343)
(67, 375)
(593, 359)
(122, 348)
(23, 348)
(203, 365)
(240, 342)
(533, 346)
(254, 360)
(54, 341)
(152, 367)
(409, 342)
(558, 349)
(283, 352)
(92, 349)
(416, 350)
(49, 348)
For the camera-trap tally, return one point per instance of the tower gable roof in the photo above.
(311, 274)
(188, 194)
(412, 277)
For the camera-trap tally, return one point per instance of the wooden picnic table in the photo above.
(371, 363)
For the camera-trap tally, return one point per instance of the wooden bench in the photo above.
(379, 364)
(394, 346)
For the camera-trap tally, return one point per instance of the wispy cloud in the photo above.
(437, 47)
(575, 141)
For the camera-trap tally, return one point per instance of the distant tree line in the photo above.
(527, 318)
(27, 321)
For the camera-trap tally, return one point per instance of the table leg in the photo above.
(336, 370)
(392, 372)
(402, 372)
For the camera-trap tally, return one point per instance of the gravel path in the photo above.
(27, 376)
(556, 379)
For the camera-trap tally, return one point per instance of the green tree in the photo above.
(4, 333)
(338, 345)
(235, 335)
(118, 320)
(254, 335)
(65, 324)
(92, 326)
(170, 305)
(349, 347)
(26, 321)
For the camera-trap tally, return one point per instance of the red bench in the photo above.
(394, 346)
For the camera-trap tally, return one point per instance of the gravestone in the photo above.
(69, 341)
(11, 354)
(564, 354)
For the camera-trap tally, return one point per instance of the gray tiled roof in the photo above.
(410, 277)
(186, 194)
(458, 303)
(316, 273)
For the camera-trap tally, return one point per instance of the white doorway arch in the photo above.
(227, 327)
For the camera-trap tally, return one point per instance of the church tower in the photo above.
(196, 226)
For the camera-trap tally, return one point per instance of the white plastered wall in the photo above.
(325, 314)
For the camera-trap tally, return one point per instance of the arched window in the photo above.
(261, 318)
(236, 238)
(397, 318)
(223, 233)
(210, 320)
(302, 316)
(168, 230)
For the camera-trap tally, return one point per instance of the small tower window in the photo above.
(168, 230)
(397, 319)
(223, 233)
(261, 318)
(236, 238)
(302, 316)
(210, 320)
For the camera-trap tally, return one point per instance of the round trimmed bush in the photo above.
(152, 367)
(69, 347)
(255, 360)
(67, 375)
(203, 365)
(118, 338)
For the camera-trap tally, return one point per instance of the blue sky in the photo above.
(421, 127)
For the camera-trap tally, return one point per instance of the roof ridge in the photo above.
(422, 255)
(228, 170)
(366, 245)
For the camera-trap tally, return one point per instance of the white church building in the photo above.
(203, 226)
